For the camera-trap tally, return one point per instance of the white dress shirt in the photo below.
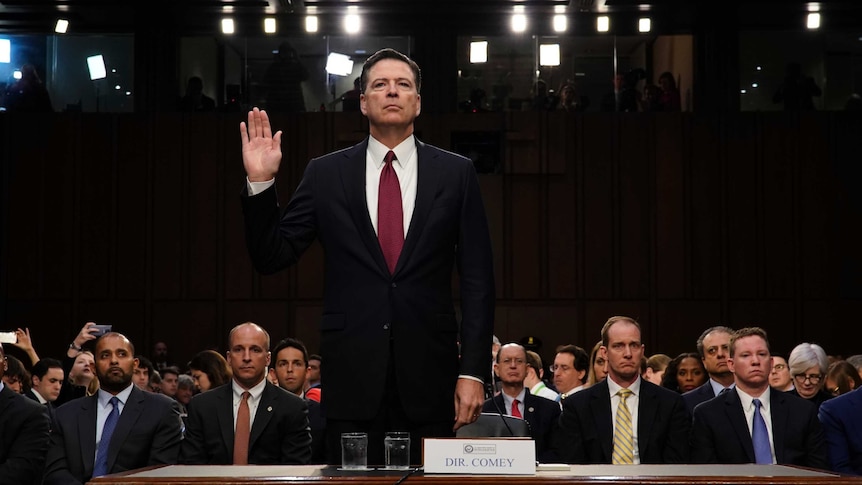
(765, 411)
(632, 403)
(253, 400)
(508, 400)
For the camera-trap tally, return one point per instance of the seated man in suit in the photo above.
(754, 423)
(46, 380)
(119, 428)
(842, 424)
(23, 435)
(571, 369)
(516, 400)
(623, 419)
(291, 366)
(248, 420)
(713, 346)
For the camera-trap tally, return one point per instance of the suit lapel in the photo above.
(87, 432)
(224, 415)
(779, 415)
(353, 181)
(427, 180)
(736, 417)
(647, 410)
(131, 412)
(600, 405)
(265, 408)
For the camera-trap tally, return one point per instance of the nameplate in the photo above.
(480, 456)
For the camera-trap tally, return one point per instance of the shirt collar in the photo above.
(747, 399)
(614, 388)
(717, 387)
(378, 151)
(122, 396)
(41, 399)
(255, 391)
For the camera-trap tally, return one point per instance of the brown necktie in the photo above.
(240, 438)
(390, 214)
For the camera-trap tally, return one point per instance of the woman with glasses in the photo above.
(808, 364)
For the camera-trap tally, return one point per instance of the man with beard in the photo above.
(713, 345)
(624, 419)
(132, 428)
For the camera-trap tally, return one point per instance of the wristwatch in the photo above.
(75, 347)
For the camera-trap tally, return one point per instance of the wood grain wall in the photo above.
(682, 221)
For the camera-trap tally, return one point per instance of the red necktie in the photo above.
(241, 435)
(390, 215)
(515, 411)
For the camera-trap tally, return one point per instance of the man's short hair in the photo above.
(534, 361)
(185, 381)
(497, 359)
(316, 357)
(747, 332)
(145, 363)
(115, 335)
(611, 321)
(717, 328)
(41, 368)
(291, 343)
(581, 358)
(234, 329)
(388, 53)
(170, 370)
(855, 361)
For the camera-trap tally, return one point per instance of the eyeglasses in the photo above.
(779, 366)
(560, 368)
(812, 378)
(835, 391)
(510, 361)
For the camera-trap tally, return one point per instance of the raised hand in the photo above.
(261, 151)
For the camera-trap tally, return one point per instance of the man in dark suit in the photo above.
(47, 380)
(248, 420)
(754, 423)
(291, 366)
(23, 435)
(515, 400)
(394, 217)
(623, 419)
(118, 429)
(713, 346)
(842, 424)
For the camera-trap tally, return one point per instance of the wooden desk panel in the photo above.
(576, 475)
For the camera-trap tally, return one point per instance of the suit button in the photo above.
(395, 285)
(385, 326)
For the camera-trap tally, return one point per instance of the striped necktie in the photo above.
(623, 435)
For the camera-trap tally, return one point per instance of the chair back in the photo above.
(493, 425)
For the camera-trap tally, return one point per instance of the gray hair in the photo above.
(855, 361)
(185, 381)
(805, 356)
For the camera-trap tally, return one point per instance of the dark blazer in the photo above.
(842, 425)
(317, 424)
(370, 316)
(23, 439)
(720, 433)
(47, 408)
(541, 413)
(279, 433)
(698, 395)
(148, 432)
(586, 433)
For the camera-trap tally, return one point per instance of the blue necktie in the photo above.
(101, 467)
(760, 437)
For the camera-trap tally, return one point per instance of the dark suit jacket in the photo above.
(541, 413)
(842, 424)
(364, 306)
(586, 432)
(698, 395)
(317, 424)
(148, 432)
(23, 439)
(720, 433)
(47, 408)
(279, 433)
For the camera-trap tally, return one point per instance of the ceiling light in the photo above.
(519, 22)
(227, 26)
(311, 23)
(352, 23)
(62, 26)
(5, 51)
(603, 23)
(479, 52)
(269, 25)
(561, 23)
(644, 24)
(549, 55)
(813, 22)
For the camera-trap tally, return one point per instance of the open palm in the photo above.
(261, 151)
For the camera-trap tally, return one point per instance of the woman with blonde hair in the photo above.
(598, 366)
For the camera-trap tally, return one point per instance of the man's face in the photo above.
(248, 356)
(566, 377)
(390, 98)
(184, 395)
(160, 351)
(716, 350)
(313, 373)
(141, 378)
(623, 352)
(290, 369)
(49, 385)
(115, 363)
(169, 384)
(779, 377)
(751, 362)
(512, 368)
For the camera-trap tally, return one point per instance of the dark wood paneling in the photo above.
(670, 207)
(705, 207)
(597, 188)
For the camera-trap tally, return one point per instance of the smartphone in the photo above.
(101, 330)
(8, 338)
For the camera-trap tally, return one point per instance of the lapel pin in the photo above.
(269, 409)
(530, 409)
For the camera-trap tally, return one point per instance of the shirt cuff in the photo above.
(255, 188)
(472, 378)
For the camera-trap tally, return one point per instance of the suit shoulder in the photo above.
(25, 405)
(341, 154)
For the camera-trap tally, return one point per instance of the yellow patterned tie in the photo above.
(623, 436)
